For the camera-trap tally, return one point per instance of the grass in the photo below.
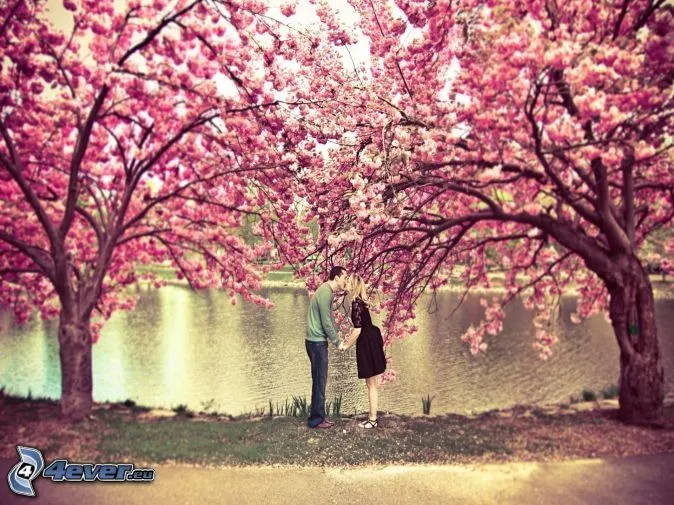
(162, 272)
(297, 407)
(120, 432)
(287, 408)
(300, 406)
(283, 440)
(181, 440)
(280, 276)
(336, 406)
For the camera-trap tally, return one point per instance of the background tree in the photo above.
(530, 137)
(141, 135)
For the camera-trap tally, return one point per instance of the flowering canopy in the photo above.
(527, 137)
(142, 134)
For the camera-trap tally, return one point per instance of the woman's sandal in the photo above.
(369, 424)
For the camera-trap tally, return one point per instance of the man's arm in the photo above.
(325, 311)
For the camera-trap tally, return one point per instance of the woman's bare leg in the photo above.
(372, 396)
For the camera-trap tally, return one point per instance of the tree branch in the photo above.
(155, 31)
(76, 161)
(15, 169)
(628, 197)
(40, 258)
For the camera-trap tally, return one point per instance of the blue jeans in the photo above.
(318, 356)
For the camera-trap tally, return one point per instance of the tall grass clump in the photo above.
(300, 406)
(426, 403)
(336, 406)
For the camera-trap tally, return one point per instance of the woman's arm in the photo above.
(351, 339)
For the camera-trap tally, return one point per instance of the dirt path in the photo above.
(642, 480)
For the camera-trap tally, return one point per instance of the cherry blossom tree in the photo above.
(142, 135)
(528, 137)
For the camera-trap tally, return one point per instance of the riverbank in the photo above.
(116, 432)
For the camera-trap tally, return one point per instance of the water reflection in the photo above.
(179, 347)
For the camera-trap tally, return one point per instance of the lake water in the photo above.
(180, 347)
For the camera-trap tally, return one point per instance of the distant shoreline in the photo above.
(662, 289)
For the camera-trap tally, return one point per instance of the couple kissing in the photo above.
(370, 357)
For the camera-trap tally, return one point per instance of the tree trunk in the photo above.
(76, 370)
(632, 310)
(641, 390)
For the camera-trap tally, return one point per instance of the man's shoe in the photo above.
(328, 421)
(324, 425)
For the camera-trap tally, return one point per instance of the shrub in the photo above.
(589, 395)
(610, 392)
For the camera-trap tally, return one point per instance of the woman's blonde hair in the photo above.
(357, 287)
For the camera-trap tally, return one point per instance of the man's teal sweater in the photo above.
(320, 325)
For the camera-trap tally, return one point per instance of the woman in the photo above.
(370, 356)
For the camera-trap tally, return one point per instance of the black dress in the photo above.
(370, 356)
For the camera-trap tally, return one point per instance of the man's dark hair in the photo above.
(336, 272)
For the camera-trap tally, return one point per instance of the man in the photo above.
(320, 328)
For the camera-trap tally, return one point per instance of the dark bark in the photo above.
(75, 350)
(641, 390)
(632, 310)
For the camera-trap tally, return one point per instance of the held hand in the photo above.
(342, 346)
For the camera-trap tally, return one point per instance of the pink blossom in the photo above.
(70, 5)
(288, 8)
